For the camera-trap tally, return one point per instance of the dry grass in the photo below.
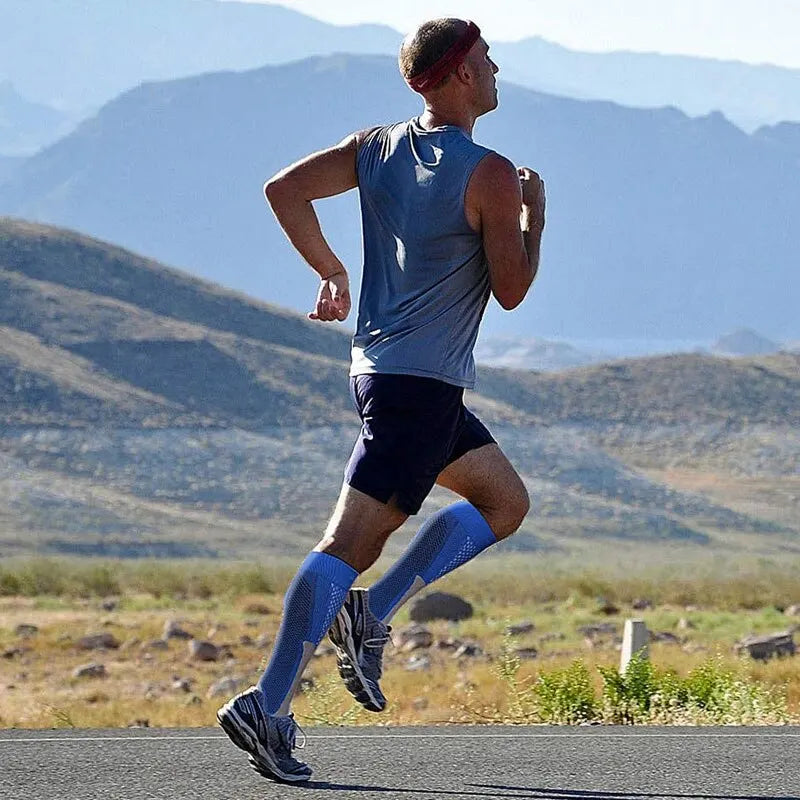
(38, 690)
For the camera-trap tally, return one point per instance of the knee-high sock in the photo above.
(312, 601)
(448, 539)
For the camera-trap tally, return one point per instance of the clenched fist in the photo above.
(333, 298)
(532, 194)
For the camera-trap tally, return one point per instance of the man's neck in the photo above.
(436, 117)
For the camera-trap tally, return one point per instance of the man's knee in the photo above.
(507, 512)
(359, 556)
(359, 528)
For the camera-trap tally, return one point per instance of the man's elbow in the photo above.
(273, 188)
(509, 302)
(510, 297)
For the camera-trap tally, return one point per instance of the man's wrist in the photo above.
(332, 273)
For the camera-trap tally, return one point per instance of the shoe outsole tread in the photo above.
(365, 692)
(240, 733)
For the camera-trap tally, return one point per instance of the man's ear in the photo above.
(464, 72)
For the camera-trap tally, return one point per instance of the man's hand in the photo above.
(333, 298)
(532, 195)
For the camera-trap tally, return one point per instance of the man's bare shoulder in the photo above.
(361, 136)
(494, 173)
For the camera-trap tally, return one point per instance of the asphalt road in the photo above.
(592, 763)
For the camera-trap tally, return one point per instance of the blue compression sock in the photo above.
(448, 539)
(312, 601)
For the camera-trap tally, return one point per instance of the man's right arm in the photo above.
(507, 206)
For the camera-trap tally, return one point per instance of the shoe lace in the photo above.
(373, 646)
(288, 730)
(381, 638)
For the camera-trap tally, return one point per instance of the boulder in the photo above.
(598, 628)
(156, 644)
(641, 604)
(414, 637)
(762, 648)
(520, 628)
(257, 608)
(439, 605)
(526, 653)
(225, 687)
(467, 650)
(26, 630)
(172, 630)
(608, 608)
(98, 641)
(203, 651)
(418, 663)
(664, 636)
(92, 670)
(181, 684)
(793, 610)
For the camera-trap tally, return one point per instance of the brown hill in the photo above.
(148, 412)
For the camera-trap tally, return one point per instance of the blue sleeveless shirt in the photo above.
(425, 280)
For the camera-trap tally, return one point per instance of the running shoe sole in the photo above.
(245, 738)
(341, 634)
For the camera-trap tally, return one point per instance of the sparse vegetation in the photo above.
(693, 676)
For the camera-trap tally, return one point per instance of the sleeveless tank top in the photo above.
(425, 280)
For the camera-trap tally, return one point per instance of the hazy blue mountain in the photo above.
(744, 342)
(8, 164)
(750, 95)
(785, 135)
(27, 126)
(658, 225)
(80, 53)
(541, 355)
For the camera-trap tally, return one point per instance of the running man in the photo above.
(446, 223)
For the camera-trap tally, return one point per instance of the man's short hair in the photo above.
(428, 44)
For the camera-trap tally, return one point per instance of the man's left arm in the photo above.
(291, 193)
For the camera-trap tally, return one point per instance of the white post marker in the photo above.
(634, 640)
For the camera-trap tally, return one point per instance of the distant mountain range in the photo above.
(27, 126)
(749, 95)
(144, 412)
(76, 55)
(656, 227)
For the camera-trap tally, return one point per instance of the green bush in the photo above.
(627, 695)
(711, 694)
(565, 696)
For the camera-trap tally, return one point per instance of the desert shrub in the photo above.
(627, 695)
(96, 580)
(565, 696)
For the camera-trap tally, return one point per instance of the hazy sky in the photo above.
(758, 31)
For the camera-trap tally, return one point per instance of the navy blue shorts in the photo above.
(411, 429)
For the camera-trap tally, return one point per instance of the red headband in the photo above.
(448, 62)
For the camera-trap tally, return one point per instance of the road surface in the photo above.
(456, 763)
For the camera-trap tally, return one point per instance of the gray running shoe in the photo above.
(268, 738)
(360, 637)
